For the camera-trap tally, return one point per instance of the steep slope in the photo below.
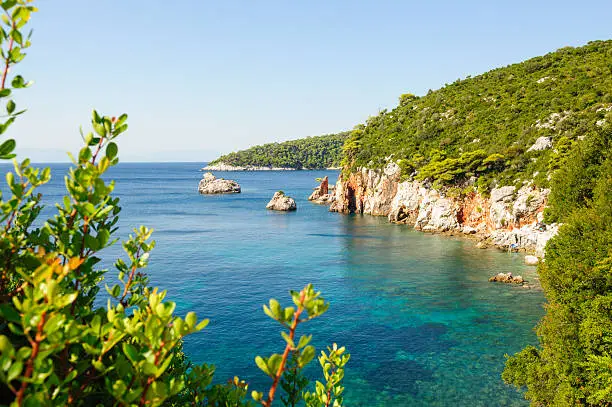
(476, 156)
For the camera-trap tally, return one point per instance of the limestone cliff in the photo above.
(507, 218)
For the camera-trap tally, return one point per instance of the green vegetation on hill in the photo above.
(307, 153)
(573, 364)
(484, 126)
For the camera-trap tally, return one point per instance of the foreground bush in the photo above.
(573, 364)
(56, 347)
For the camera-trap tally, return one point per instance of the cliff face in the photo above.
(507, 218)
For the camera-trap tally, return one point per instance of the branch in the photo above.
(7, 60)
(30, 364)
(288, 347)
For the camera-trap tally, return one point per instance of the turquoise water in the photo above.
(416, 312)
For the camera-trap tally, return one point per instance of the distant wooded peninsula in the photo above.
(307, 153)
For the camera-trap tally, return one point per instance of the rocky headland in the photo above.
(213, 185)
(509, 218)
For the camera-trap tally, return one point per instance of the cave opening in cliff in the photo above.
(352, 200)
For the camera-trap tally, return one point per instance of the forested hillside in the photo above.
(546, 120)
(484, 126)
(307, 153)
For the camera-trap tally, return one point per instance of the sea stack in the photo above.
(321, 194)
(281, 202)
(213, 185)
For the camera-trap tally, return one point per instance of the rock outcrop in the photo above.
(213, 185)
(542, 143)
(321, 194)
(508, 218)
(507, 278)
(281, 202)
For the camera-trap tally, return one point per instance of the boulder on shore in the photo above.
(213, 185)
(507, 278)
(531, 260)
(281, 202)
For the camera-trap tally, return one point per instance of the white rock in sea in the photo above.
(213, 185)
(531, 260)
(281, 202)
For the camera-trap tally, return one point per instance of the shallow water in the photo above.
(416, 312)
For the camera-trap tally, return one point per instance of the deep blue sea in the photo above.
(423, 325)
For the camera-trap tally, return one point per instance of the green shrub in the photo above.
(56, 347)
(572, 364)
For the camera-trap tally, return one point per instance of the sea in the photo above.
(416, 312)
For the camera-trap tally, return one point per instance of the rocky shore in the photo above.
(508, 218)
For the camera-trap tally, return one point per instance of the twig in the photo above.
(288, 347)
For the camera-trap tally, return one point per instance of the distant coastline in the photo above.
(227, 167)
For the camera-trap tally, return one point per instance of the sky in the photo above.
(201, 78)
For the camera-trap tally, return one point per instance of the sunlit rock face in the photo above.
(508, 218)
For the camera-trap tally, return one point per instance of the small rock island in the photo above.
(213, 185)
(281, 202)
(321, 194)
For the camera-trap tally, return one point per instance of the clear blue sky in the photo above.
(199, 78)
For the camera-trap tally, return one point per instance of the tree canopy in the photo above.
(484, 126)
(308, 153)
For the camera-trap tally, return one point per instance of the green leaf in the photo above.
(99, 129)
(6, 347)
(306, 356)
(14, 371)
(111, 150)
(262, 365)
(191, 319)
(9, 313)
(287, 339)
(304, 340)
(10, 107)
(131, 352)
(4, 93)
(203, 324)
(16, 35)
(165, 309)
(84, 154)
(7, 147)
(274, 363)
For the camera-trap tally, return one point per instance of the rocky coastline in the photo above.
(510, 218)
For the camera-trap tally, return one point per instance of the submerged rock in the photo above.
(507, 278)
(213, 185)
(281, 202)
